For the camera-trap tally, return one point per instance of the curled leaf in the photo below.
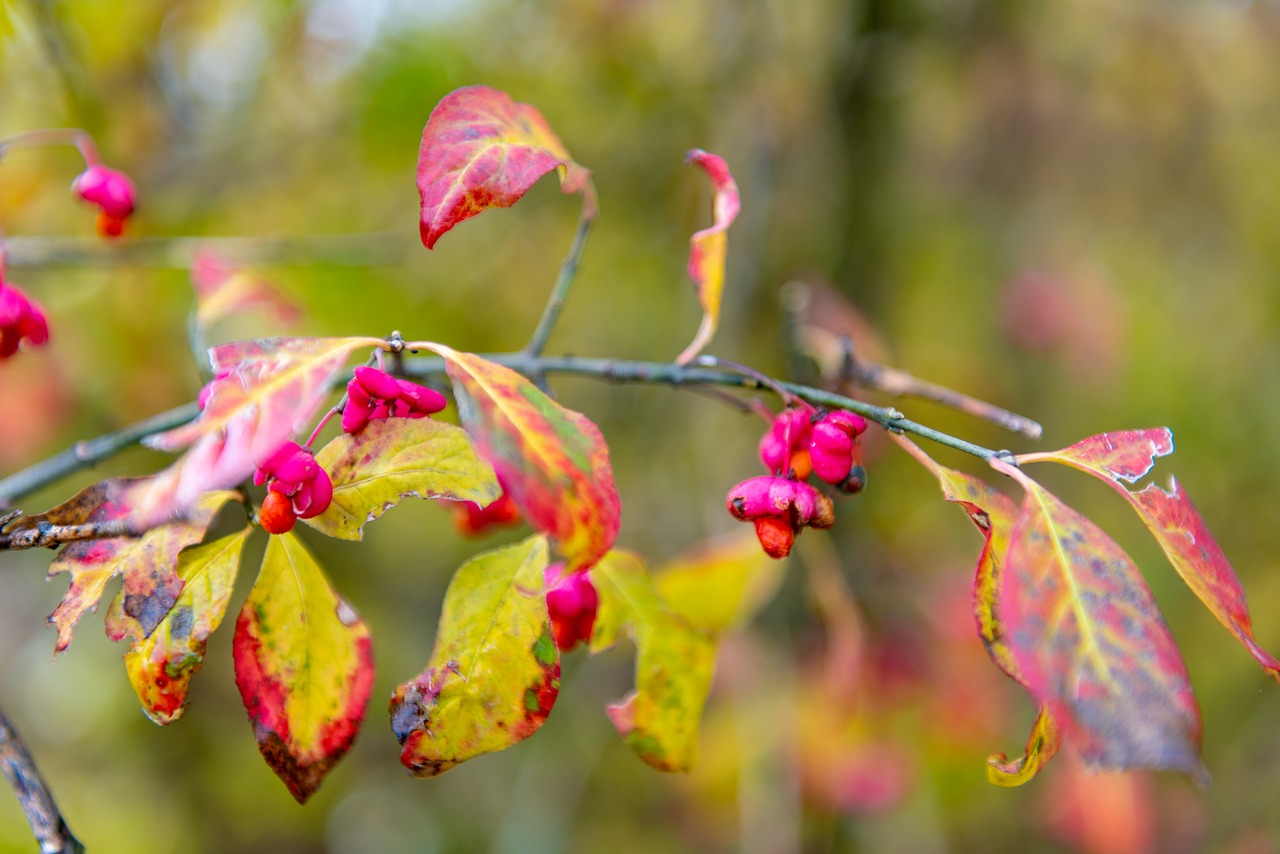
(480, 150)
(395, 458)
(674, 664)
(304, 667)
(495, 671)
(709, 247)
(160, 666)
(1177, 525)
(553, 461)
(1091, 644)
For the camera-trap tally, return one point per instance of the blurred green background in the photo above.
(1068, 208)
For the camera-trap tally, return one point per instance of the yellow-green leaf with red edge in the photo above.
(1129, 455)
(223, 289)
(304, 667)
(1090, 642)
(674, 664)
(553, 461)
(395, 458)
(495, 671)
(160, 667)
(995, 514)
(480, 150)
(709, 247)
(263, 392)
(150, 586)
(720, 584)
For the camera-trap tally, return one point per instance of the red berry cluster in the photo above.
(297, 488)
(373, 394)
(797, 445)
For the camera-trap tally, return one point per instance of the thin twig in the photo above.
(568, 269)
(33, 793)
(373, 249)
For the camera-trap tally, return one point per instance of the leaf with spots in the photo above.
(396, 458)
(160, 667)
(304, 667)
(263, 392)
(709, 247)
(146, 563)
(721, 584)
(674, 664)
(1090, 643)
(1127, 456)
(480, 150)
(994, 514)
(495, 671)
(553, 461)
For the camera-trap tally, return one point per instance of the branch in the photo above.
(89, 453)
(47, 824)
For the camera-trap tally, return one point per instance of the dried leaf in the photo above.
(480, 150)
(674, 664)
(304, 667)
(1174, 521)
(995, 514)
(1090, 643)
(151, 586)
(160, 667)
(396, 458)
(553, 461)
(709, 247)
(495, 671)
(263, 392)
(721, 584)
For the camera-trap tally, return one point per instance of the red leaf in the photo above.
(480, 150)
(264, 392)
(1090, 643)
(553, 461)
(708, 248)
(1174, 521)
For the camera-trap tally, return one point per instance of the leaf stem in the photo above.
(50, 829)
(568, 269)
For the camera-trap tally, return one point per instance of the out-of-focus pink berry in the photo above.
(113, 193)
(571, 601)
(472, 520)
(20, 318)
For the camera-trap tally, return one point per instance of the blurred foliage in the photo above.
(1065, 207)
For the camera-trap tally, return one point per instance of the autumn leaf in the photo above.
(150, 587)
(1127, 457)
(480, 150)
(1090, 643)
(495, 671)
(304, 667)
(674, 664)
(553, 461)
(721, 584)
(709, 247)
(994, 514)
(396, 458)
(223, 290)
(263, 392)
(160, 667)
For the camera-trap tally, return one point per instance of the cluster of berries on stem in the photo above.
(800, 442)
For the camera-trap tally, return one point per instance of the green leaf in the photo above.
(304, 667)
(721, 584)
(160, 667)
(553, 461)
(674, 664)
(495, 671)
(395, 458)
